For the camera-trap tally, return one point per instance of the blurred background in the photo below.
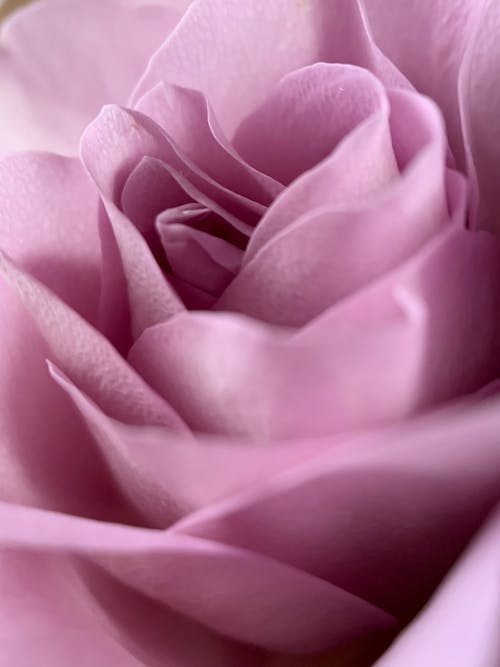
(7, 6)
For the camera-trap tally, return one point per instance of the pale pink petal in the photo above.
(188, 119)
(200, 259)
(115, 143)
(228, 374)
(384, 514)
(49, 225)
(165, 477)
(87, 357)
(235, 60)
(305, 116)
(56, 611)
(459, 626)
(61, 60)
(47, 458)
(285, 608)
(151, 298)
(290, 274)
(426, 39)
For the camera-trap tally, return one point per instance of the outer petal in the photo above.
(165, 477)
(444, 26)
(285, 609)
(385, 514)
(49, 225)
(480, 100)
(459, 626)
(47, 458)
(61, 60)
(56, 611)
(235, 50)
(87, 357)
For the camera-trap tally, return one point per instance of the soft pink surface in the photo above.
(248, 409)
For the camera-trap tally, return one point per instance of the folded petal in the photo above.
(165, 477)
(55, 610)
(47, 458)
(86, 356)
(445, 27)
(459, 626)
(116, 142)
(305, 116)
(384, 514)
(151, 298)
(220, 58)
(200, 259)
(61, 61)
(228, 374)
(296, 267)
(285, 609)
(186, 116)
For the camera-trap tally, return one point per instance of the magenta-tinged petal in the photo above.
(304, 118)
(295, 268)
(115, 143)
(187, 118)
(229, 374)
(48, 225)
(384, 514)
(401, 29)
(148, 191)
(60, 61)
(234, 51)
(47, 458)
(285, 609)
(200, 259)
(151, 298)
(459, 626)
(87, 357)
(361, 166)
(56, 611)
(480, 101)
(165, 477)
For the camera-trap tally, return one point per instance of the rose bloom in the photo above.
(249, 288)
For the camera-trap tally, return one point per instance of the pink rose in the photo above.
(250, 314)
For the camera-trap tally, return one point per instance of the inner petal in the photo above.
(307, 114)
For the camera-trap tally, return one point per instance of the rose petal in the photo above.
(209, 54)
(293, 278)
(151, 298)
(47, 458)
(54, 611)
(87, 357)
(52, 235)
(305, 116)
(383, 514)
(61, 61)
(285, 609)
(165, 477)
(228, 374)
(186, 116)
(120, 138)
(400, 29)
(289, 276)
(460, 624)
